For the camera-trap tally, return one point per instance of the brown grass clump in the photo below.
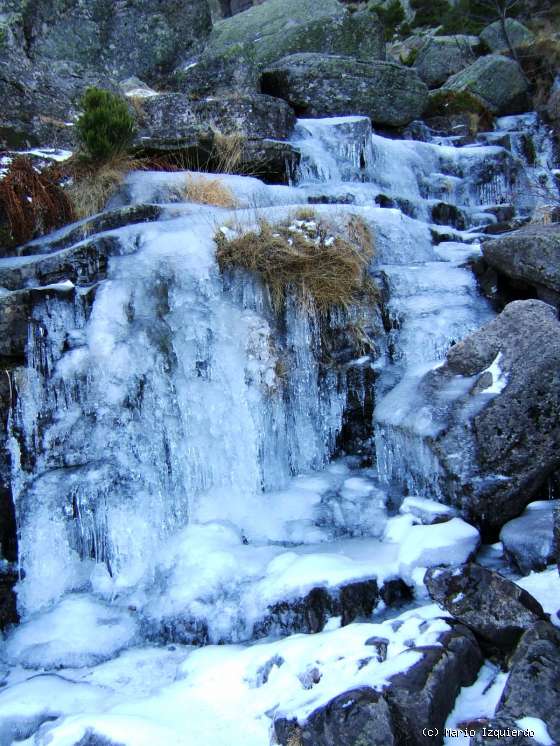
(208, 192)
(227, 152)
(32, 203)
(90, 194)
(308, 257)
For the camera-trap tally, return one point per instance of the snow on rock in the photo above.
(79, 631)
(231, 694)
(538, 728)
(426, 511)
(449, 543)
(545, 587)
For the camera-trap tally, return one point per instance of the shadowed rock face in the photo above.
(497, 610)
(505, 419)
(527, 261)
(319, 85)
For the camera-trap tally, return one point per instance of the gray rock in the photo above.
(143, 37)
(497, 80)
(498, 395)
(255, 116)
(500, 37)
(442, 56)
(240, 47)
(528, 260)
(533, 685)
(319, 85)
(529, 540)
(557, 536)
(495, 609)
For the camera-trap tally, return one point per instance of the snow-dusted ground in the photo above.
(177, 503)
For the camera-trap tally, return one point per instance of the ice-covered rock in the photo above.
(495, 608)
(78, 632)
(529, 539)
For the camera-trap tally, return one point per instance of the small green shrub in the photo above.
(106, 127)
(391, 16)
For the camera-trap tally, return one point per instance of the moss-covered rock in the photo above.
(515, 34)
(497, 80)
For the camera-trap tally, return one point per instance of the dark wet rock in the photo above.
(528, 261)
(557, 535)
(8, 599)
(446, 214)
(529, 540)
(500, 37)
(273, 161)
(443, 56)
(502, 414)
(319, 85)
(311, 613)
(380, 644)
(533, 685)
(497, 610)
(420, 697)
(497, 80)
(355, 717)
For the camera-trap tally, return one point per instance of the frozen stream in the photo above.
(176, 481)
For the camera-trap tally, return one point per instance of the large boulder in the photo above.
(533, 685)
(527, 262)
(497, 80)
(240, 47)
(495, 609)
(501, 37)
(442, 56)
(319, 85)
(496, 400)
(529, 540)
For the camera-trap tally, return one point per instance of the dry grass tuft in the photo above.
(295, 738)
(308, 257)
(208, 192)
(32, 203)
(227, 152)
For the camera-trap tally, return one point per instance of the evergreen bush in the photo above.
(106, 126)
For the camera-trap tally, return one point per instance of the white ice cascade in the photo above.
(164, 396)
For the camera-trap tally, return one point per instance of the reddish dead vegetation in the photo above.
(32, 203)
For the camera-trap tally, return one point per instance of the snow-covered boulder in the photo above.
(529, 539)
(449, 543)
